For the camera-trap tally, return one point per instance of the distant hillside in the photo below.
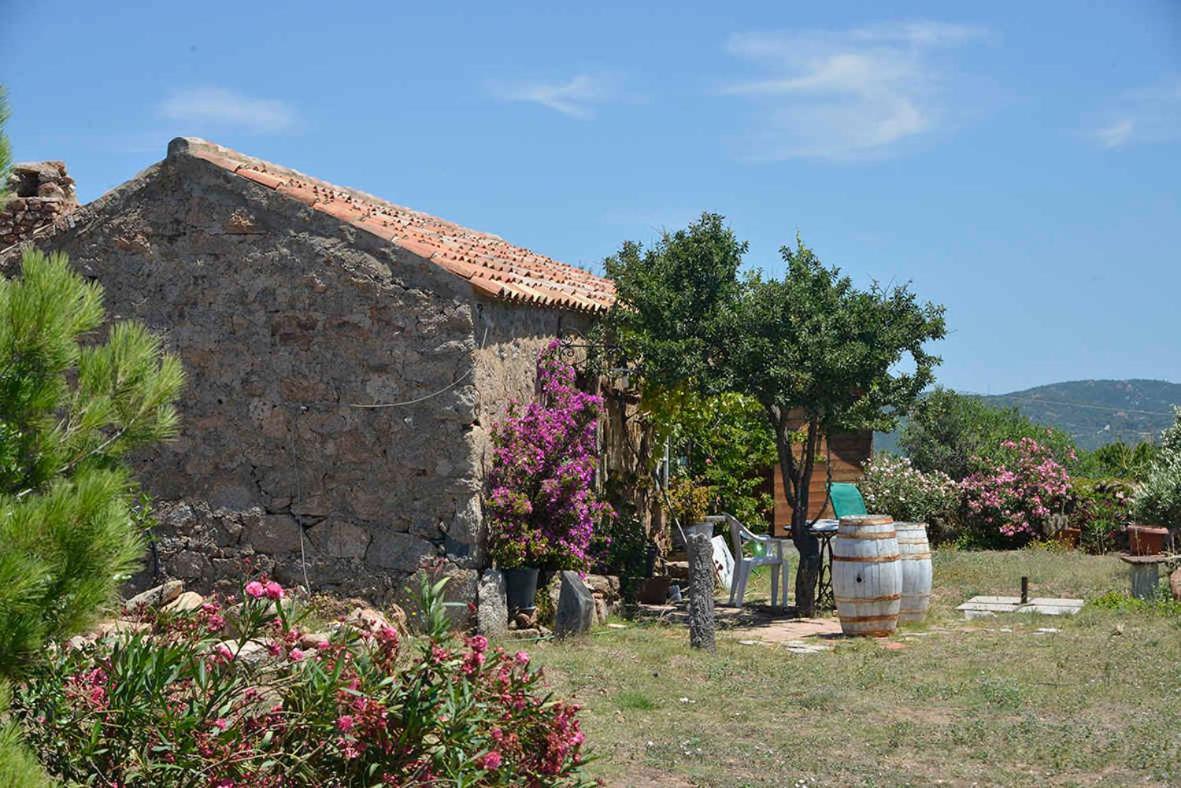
(1095, 412)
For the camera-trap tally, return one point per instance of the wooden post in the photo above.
(1024, 590)
(701, 592)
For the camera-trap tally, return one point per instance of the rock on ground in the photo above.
(576, 606)
(189, 600)
(156, 597)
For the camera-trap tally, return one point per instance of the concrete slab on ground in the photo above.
(984, 606)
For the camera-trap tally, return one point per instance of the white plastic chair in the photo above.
(740, 535)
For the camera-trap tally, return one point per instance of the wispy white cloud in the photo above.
(845, 95)
(1151, 114)
(574, 98)
(224, 108)
(1116, 134)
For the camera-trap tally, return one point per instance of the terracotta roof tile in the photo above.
(492, 265)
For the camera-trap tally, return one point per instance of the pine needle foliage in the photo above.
(69, 413)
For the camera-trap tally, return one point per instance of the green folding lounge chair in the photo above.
(846, 499)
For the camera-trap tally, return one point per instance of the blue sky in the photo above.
(1018, 162)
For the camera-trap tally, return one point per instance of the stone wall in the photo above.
(41, 193)
(287, 321)
(510, 337)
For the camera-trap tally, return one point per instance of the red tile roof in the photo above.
(492, 265)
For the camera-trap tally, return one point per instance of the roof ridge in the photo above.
(491, 264)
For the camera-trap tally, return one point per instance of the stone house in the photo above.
(346, 359)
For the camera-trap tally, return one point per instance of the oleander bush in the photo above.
(237, 694)
(892, 485)
(1010, 501)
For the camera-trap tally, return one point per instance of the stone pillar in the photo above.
(701, 593)
(39, 194)
(492, 606)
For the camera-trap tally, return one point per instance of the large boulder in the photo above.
(576, 606)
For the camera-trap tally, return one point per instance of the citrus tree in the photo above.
(818, 354)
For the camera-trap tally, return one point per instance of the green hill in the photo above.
(1094, 412)
(1097, 412)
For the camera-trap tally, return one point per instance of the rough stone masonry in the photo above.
(291, 324)
(41, 193)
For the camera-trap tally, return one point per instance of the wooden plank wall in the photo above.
(849, 453)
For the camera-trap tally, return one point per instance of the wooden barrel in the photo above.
(915, 556)
(866, 575)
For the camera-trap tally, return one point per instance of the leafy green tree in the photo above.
(722, 441)
(958, 434)
(809, 347)
(69, 414)
(1118, 460)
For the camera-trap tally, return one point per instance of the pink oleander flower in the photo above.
(521, 658)
(255, 589)
(273, 590)
(295, 655)
(490, 761)
(345, 722)
(478, 643)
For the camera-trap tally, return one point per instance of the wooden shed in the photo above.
(849, 451)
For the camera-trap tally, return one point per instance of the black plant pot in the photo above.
(520, 586)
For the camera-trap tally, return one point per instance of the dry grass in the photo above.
(963, 702)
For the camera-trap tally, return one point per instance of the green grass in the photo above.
(1097, 702)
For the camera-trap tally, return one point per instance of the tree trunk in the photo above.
(797, 476)
(808, 572)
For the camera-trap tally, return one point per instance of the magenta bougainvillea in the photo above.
(542, 503)
(1012, 499)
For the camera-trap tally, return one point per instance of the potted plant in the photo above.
(542, 507)
(690, 502)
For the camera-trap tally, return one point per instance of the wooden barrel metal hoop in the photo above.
(867, 578)
(916, 569)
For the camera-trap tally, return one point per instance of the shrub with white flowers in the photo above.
(893, 486)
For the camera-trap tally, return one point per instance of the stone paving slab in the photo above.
(984, 606)
(789, 631)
